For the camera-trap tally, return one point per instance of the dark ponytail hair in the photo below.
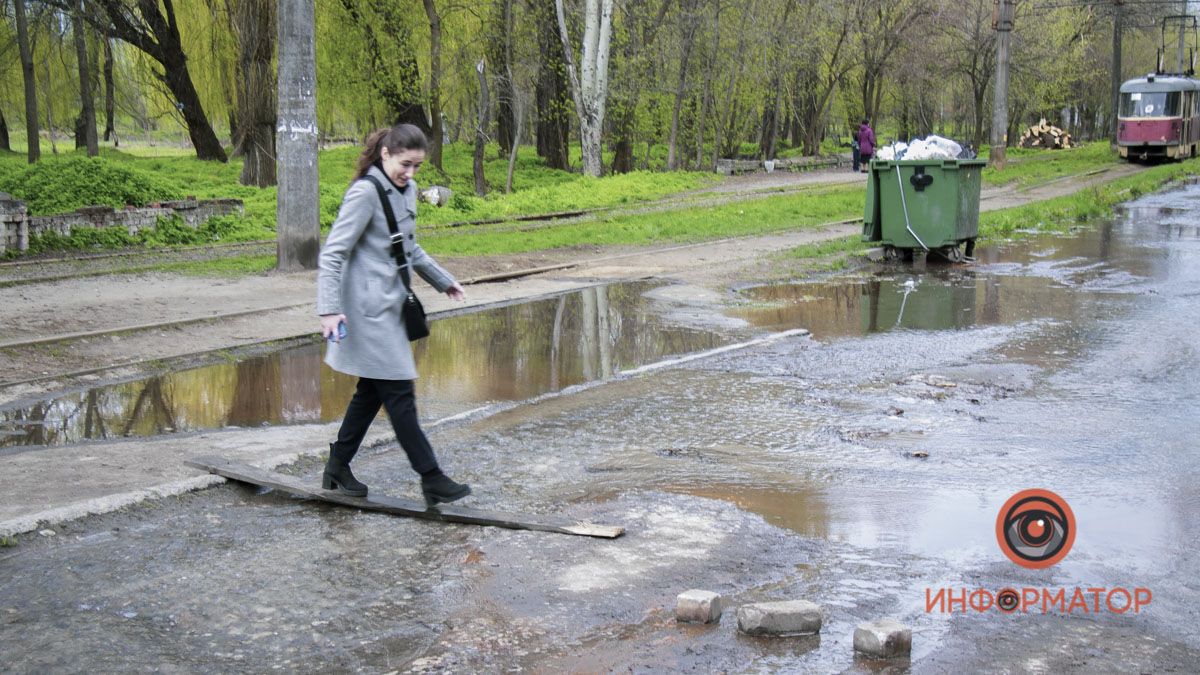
(397, 139)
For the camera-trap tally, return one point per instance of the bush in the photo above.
(62, 185)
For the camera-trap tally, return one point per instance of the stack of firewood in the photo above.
(1042, 135)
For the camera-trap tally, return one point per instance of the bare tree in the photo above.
(32, 130)
(298, 226)
(589, 85)
(971, 53)
(882, 26)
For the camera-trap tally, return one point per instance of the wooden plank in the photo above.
(246, 473)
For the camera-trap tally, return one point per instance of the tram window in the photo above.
(1150, 104)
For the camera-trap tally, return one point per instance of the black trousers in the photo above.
(397, 398)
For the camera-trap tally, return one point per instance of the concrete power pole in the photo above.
(1003, 23)
(297, 208)
(1118, 18)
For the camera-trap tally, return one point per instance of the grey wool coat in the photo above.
(358, 277)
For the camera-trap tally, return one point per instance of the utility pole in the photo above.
(297, 211)
(1118, 18)
(1002, 22)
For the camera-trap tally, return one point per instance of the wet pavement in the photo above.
(856, 468)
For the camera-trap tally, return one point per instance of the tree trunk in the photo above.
(729, 132)
(46, 89)
(500, 55)
(254, 24)
(689, 34)
(435, 84)
(590, 85)
(705, 104)
(110, 104)
(5, 144)
(179, 81)
(552, 93)
(622, 130)
(298, 227)
(481, 131)
(31, 108)
(519, 110)
(88, 104)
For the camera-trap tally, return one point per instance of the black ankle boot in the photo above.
(339, 477)
(440, 488)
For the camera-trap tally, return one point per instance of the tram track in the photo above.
(50, 269)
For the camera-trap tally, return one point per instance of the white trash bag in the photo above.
(892, 152)
(933, 147)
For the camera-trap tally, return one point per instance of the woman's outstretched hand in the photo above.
(456, 292)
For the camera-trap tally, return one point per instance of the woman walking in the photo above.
(360, 292)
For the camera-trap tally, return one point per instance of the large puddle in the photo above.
(507, 354)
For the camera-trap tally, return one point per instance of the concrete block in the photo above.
(792, 617)
(697, 606)
(883, 639)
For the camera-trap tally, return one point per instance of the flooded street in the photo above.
(858, 467)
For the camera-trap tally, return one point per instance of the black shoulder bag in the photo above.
(412, 312)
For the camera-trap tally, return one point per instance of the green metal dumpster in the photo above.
(929, 205)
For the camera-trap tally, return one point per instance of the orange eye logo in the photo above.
(1035, 528)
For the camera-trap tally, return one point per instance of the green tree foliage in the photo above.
(788, 73)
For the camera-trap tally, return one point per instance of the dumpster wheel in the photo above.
(891, 254)
(952, 254)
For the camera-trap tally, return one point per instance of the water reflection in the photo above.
(1006, 286)
(874, 305)
(505, 354)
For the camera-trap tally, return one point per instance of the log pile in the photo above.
(1042, 135)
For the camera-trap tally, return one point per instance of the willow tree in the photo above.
(390, 60)
(254, 28)
(153, 27)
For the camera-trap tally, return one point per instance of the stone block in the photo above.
(791, 617)
(883, 639)
(697, 606)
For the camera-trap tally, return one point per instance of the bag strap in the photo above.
(397, 237)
